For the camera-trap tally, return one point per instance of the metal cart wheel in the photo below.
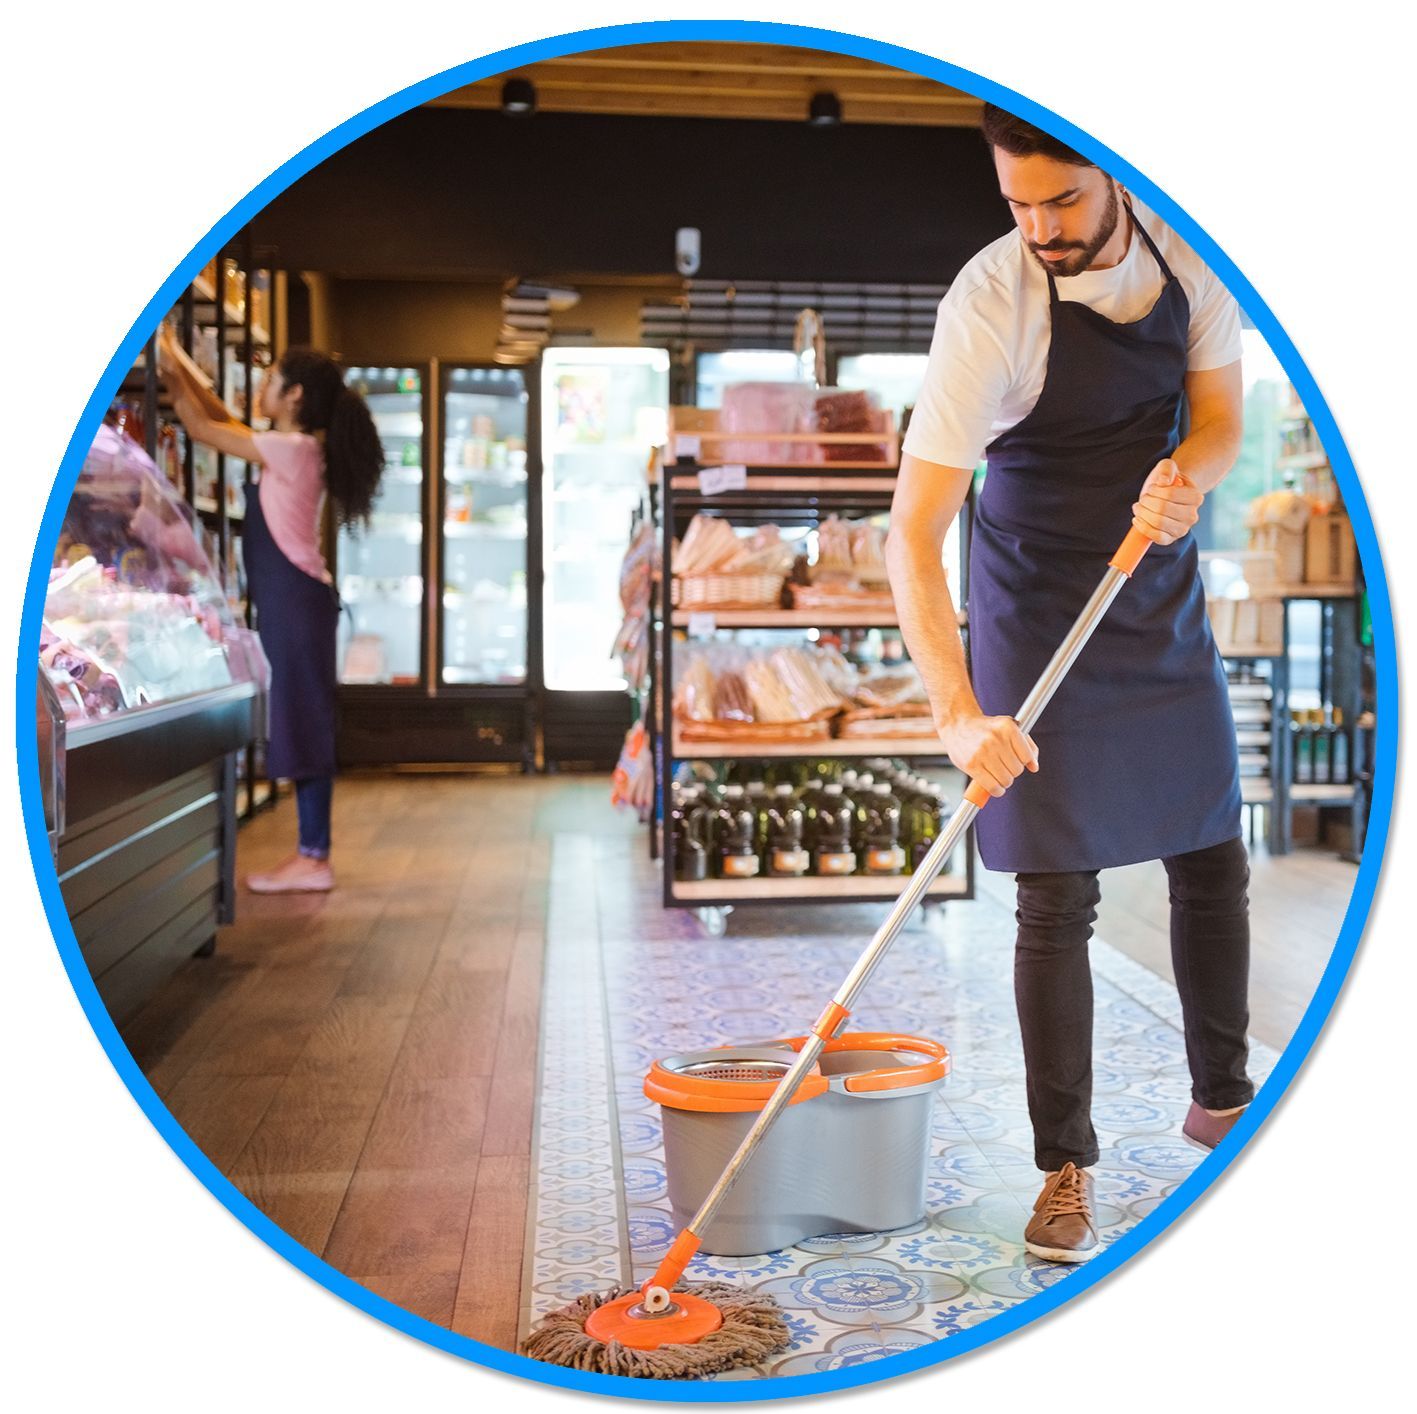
(714, 921)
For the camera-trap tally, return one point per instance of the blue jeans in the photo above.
(312, 805)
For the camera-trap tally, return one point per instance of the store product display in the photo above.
(134, 614)
(879, 823)
(716, 568)
(799, 693)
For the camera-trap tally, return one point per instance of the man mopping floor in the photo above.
(1068, 355)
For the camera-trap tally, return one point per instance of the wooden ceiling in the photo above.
(709, 80)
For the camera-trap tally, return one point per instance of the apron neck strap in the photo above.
(1150, 245)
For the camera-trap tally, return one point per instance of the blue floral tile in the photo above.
(657, 985)
(952, 1252)
(862, 1290)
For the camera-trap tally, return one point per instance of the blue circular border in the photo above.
(1210, 1168)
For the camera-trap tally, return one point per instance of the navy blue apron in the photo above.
(1137, 751)
(297, 616)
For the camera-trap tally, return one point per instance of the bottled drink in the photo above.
(1322, 738)
(734, 851)
(758, 801)
(883, 854)
(1303, 748)
(928, 826)
(908, 790)
(858, 798)
(831, 849)
(690, 856)
(785, 858)
(1338, 751)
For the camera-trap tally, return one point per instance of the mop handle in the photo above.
(1120, 568)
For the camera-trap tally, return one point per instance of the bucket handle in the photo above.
(893, 1077)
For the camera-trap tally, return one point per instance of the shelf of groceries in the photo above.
(1301, 550)
(761, 630)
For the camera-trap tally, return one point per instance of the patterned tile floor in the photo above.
(629, 982)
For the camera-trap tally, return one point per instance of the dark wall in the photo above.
(462, 194)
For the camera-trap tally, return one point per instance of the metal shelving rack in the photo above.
(1279, 791)
(795, 494)
(205, 304)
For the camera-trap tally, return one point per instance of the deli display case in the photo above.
(149, 689)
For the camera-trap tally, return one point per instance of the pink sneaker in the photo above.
(297, 875)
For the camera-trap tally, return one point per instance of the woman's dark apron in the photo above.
(1137, 751)
(297, 617)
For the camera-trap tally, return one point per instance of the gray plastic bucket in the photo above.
(841, 1161)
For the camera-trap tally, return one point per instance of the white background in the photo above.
(1283, 131)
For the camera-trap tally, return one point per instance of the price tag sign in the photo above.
(687, 447)
(716, 479)
(702, 625)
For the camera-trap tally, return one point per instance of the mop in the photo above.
(670, 1331)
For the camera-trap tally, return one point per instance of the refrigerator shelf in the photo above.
(457, 476)
(471, 530)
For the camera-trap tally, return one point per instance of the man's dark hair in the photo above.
(1020, 139)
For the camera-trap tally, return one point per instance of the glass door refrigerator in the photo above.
(381, 571)
(603, 410)
(486, 619)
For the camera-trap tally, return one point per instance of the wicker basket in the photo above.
(729, 591)
(839, 597)
(758, 733)
(909, 719)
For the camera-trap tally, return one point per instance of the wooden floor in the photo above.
(361, 1064)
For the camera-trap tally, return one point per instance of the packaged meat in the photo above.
(765, 407)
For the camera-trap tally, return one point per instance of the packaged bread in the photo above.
(731, 699)
(771, 702)
(694, 698)
(808, 691)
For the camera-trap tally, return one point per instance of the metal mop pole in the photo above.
(1120, 568)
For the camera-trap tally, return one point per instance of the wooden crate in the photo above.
(1287, 547)
(1245, 627)
(1331, 554)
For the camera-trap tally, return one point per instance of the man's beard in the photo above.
(1086, 252)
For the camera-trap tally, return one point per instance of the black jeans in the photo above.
(1210, 952)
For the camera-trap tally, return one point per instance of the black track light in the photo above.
(824, 110)
(518, 97)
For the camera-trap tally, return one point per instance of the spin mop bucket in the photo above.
(849, 1154)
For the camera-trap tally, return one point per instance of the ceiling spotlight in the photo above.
(824, 110)
(518, 97)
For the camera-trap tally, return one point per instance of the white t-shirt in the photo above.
(989, 355)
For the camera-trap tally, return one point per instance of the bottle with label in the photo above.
(1322, 734)
(735, 853)
(808, 798)
(832, 854)
(690, 856)
(1338, 750)
(882, 851)
(785, 858)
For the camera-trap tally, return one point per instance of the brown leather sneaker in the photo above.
(1204, 1130)
(1062, 1228)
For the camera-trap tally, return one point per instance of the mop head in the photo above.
(753, 1329)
